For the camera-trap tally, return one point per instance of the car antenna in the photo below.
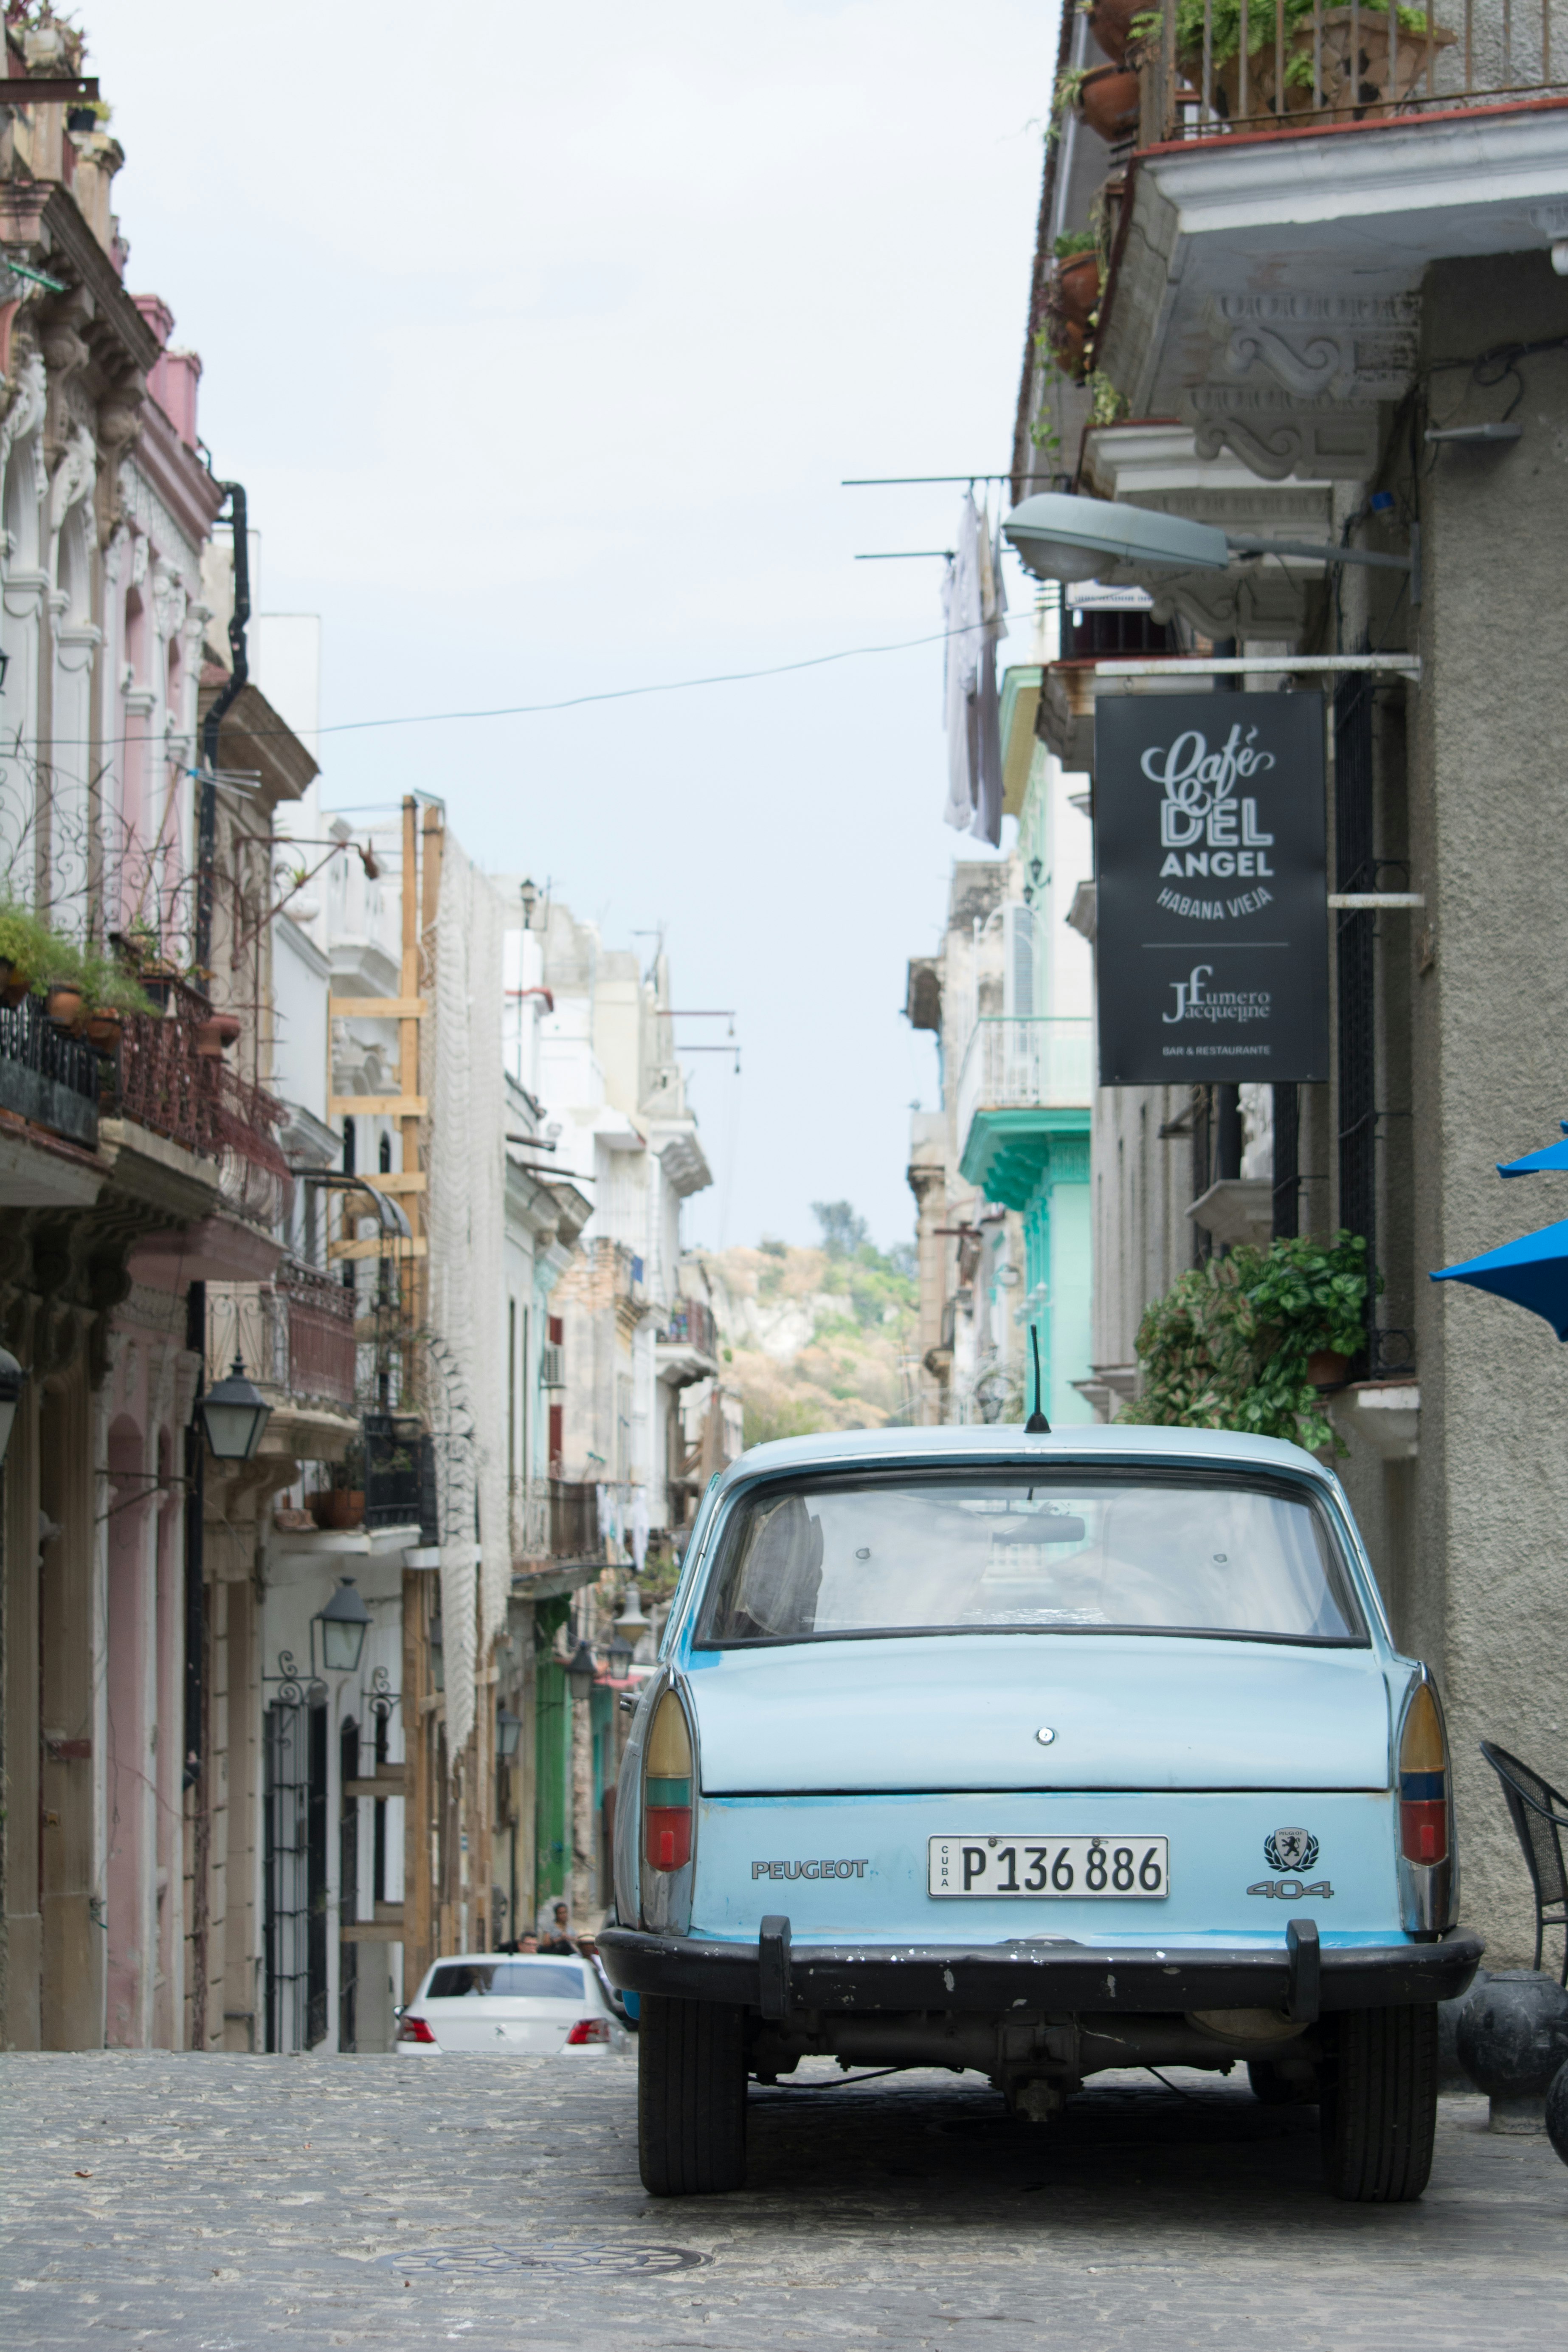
(1037, 1424)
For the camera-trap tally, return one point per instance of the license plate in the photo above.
(1092, 1868)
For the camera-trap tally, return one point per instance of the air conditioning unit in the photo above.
(550, 1375)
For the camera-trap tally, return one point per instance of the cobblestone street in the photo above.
(215, 2204)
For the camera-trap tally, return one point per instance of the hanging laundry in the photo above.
(963, 619)
(987, 702)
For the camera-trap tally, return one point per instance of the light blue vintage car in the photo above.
(1038, 1755)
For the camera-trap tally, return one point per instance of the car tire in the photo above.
(1379, 2106)
(691, 2097)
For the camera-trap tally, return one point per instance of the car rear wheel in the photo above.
(1379, 2105)
(691, 2097)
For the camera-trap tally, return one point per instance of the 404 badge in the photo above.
(1290, 1849)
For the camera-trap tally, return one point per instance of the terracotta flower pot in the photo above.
(1362, 88)
(1110, 22)
(338, 1506)
(1077, 286)
(12, 982)
(1326, 1368)
(105, 1030)
(217, 1033)
(1108, 101)
(63, 1004)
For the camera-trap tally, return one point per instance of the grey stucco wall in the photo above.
(1489, 821)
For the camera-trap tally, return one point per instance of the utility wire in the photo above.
(576, 701)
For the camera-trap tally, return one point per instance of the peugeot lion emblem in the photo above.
(1290, 1849)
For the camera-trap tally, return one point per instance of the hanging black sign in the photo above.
(1211, 937)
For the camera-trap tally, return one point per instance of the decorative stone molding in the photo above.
(74, 476)
(1352, 347)
(1276, 434)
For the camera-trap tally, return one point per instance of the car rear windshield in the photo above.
(506, 1981)
(1145, 1554)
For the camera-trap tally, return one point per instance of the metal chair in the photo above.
(1539, 1813)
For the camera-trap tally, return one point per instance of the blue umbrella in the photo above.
(1532, 1271)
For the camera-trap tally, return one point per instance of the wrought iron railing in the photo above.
(1023, 1063)
(1214, 66)
(399, 1475)
(573, 1520)
(529, 1502)
(691, 1325)
(46, 1074)
(294, 1334)
(163, 1083)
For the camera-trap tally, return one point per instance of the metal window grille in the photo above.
(1355, 869)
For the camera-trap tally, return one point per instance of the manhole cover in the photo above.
(615, 2262)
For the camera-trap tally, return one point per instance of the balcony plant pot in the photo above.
(14, 983)
(338, 1506)
(217, 1033)
(1108, 101)
(105, 1028)
(1327, 1369)
(1110, 22)
(62, 1003)
(1070, 299)
(1361, 90)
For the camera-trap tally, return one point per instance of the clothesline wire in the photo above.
(572, 701)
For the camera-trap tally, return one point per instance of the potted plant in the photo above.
(1071, 298)
(112, 997)
(342, 1505)
(24, 951)
(1112, 24)
(1108, 101)
(1368, 83)
(217, 1033)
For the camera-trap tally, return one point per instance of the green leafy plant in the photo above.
(1228, 1345)
(1075, 241)
(1066, 97)
(1262, 30)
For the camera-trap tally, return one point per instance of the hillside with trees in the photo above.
(819, 1337)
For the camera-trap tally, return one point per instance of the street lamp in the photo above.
(11, 1378)
(343, 1622)
(631, 1619)
(581, 1672)
(508, 1727)
(620, 1654)
(234, 1415)
(529, 897)
(1060, 536)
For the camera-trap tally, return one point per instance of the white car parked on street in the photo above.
(530, 2004)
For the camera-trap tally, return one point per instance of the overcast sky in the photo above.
(541, 339)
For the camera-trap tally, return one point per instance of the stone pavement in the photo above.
(221, 2204)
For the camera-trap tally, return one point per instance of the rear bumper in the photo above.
(863, 1978)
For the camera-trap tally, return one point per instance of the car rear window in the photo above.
(847, 1558)
(506, 1981)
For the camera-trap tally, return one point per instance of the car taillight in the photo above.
(1423, 1780)
(667, 1789)
(414, 2028)
(588, 2029)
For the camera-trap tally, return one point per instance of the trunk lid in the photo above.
(1127, 1711)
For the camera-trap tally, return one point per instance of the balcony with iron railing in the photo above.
(1023, 1088)
(1212, 67)
(1024, 1063)
(295, 1336)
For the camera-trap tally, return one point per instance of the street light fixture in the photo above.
(234, 1415)
(529, 897)
(508, 1728)
(343, 1621)
(12, 1377)
(631, 1619)
(620, 1654)
(581, 1673)
(1060, 536)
